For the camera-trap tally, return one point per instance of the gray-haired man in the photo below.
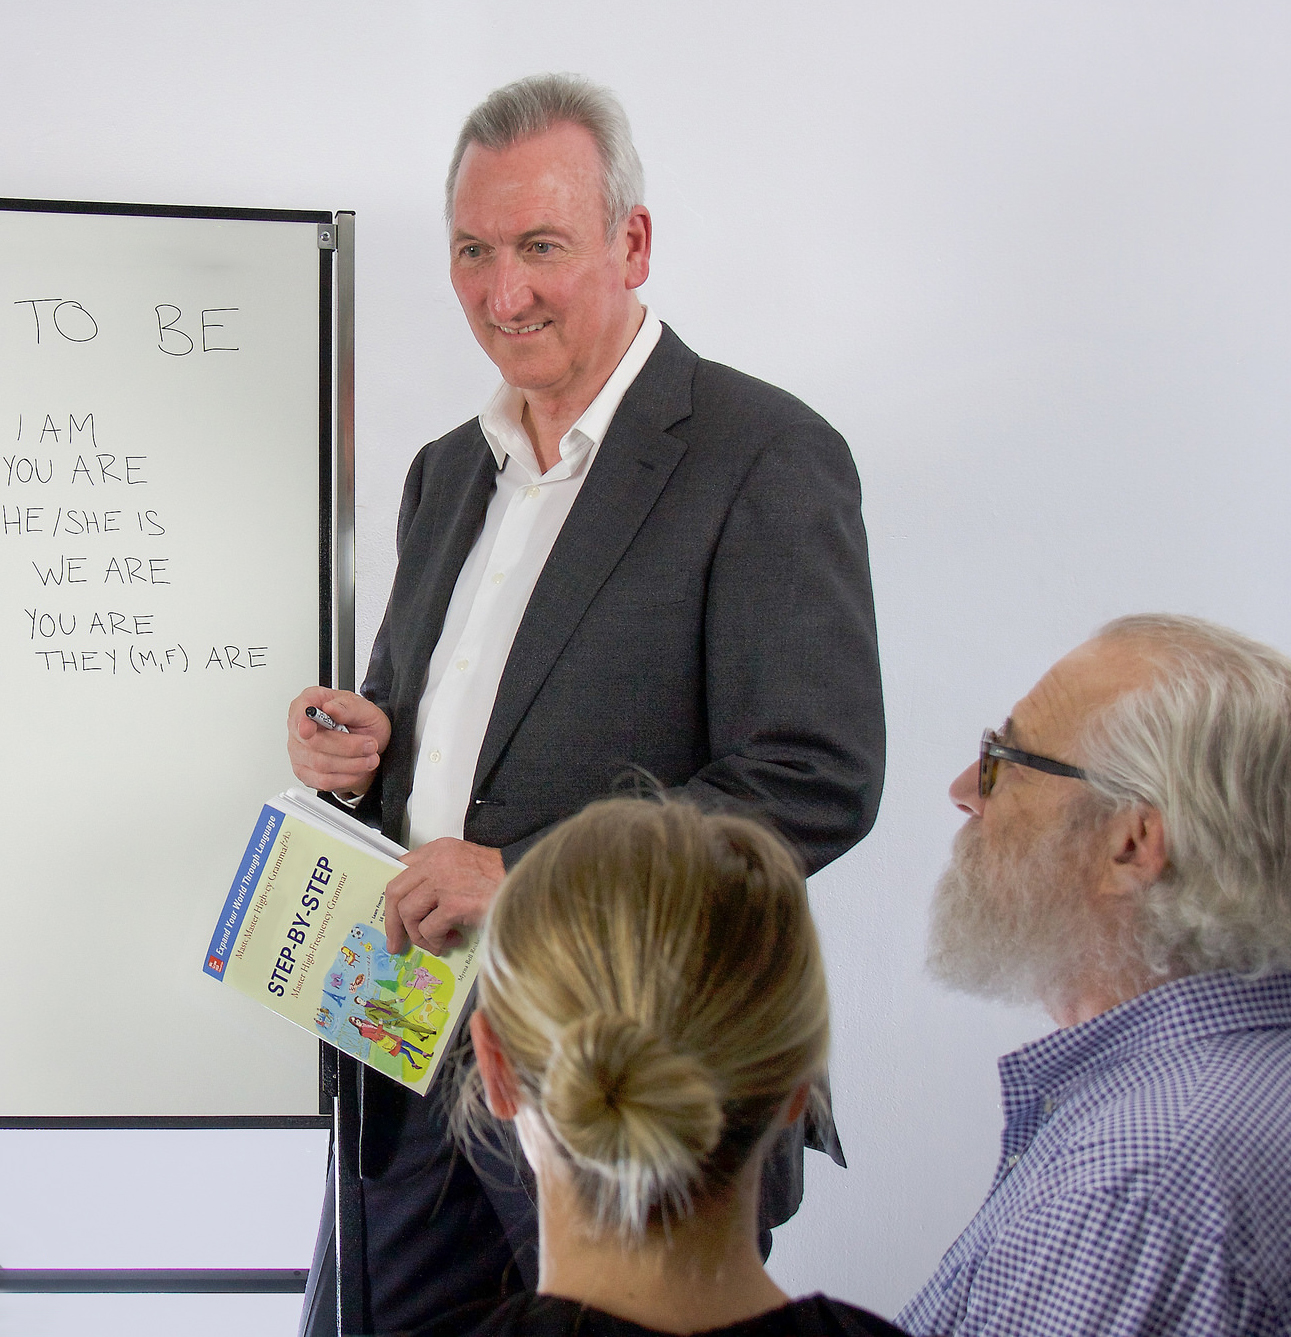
(633, 559)
(1127, 863)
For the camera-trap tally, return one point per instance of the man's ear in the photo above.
(500, 1088)
(1136, 848)
(637, 234)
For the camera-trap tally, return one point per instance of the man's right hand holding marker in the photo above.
(328, 759)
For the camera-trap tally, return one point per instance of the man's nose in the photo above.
(509, 292)
(964, 793)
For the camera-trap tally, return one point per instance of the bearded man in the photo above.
(1127, 863)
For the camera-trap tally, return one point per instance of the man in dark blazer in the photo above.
(702, 616)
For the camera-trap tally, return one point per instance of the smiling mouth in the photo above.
(522, 329)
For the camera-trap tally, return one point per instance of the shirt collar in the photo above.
(507, 438)
(1195, 1007)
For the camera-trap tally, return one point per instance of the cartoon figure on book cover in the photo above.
(382, 1014)
(392, 1044)
(388, 1011)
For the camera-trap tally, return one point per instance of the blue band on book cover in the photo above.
(240, 893)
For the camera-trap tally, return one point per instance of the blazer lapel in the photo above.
(435, 549)
(631, 469)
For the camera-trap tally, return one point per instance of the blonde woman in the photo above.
(652, 1011)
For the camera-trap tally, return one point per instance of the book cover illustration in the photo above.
(302, 931)
(388, 1011)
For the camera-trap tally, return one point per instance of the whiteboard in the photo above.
(165, 496)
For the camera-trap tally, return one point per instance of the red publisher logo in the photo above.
(214, 963)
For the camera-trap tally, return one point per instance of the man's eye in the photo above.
(470, 252)
(542, 247)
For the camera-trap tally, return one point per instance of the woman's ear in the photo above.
(500, 1088)
(792, 1109)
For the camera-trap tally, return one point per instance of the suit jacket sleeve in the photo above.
(379, 680)
(380, 675)
(795, 708)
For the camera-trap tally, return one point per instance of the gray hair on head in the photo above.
(539, 102)
(1207, 742)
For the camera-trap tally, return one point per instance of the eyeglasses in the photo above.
(994, 752)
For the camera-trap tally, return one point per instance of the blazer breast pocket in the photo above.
(621, 598)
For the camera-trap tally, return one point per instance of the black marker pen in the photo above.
(324, 720)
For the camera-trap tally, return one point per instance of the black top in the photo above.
(528, 1315)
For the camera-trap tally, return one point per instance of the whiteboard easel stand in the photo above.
(341, 1073)
(336, 647)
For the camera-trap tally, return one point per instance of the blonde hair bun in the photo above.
(653, 977)
(615, 1093)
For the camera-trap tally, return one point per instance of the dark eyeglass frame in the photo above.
(993, 752)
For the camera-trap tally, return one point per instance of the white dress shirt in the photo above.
(524, 516)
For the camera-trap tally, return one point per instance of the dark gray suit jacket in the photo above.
(704, 616)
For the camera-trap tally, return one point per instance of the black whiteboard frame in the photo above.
(328, 497)
(334, 493)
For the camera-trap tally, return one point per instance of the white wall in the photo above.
(1030, 258)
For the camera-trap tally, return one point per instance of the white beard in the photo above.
(1019, 924)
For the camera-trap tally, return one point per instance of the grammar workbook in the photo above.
(302, 931)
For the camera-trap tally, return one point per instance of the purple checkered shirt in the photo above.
(1144, 1184)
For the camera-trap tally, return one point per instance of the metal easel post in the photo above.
(347, 1104)
(343, 548)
